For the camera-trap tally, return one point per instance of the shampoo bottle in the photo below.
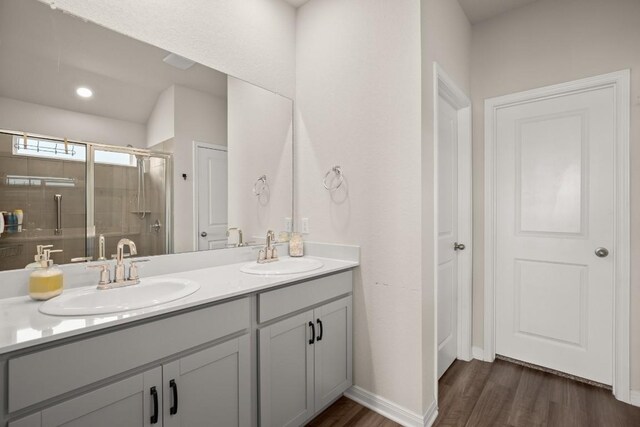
(46, 281)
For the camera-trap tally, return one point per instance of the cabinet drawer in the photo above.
(39, 376)
(280, 302)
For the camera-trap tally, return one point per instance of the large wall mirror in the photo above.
(105, 136)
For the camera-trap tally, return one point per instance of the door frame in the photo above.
(445, 86)
(196, 201)
(620, 82)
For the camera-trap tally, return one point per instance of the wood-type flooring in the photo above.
(502, 394)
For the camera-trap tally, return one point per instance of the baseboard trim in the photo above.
(477, 353)
(430, 416)
(634, 397)
(391, 410)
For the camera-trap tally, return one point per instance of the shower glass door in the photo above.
(66, 194)
(130, 200)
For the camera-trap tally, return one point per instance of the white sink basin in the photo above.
(147, 293)
(283, 266)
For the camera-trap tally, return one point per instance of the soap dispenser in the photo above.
(46, 281)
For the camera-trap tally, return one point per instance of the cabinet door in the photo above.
(286, 372)
(126, 403)
(209, 388)
(332, 351)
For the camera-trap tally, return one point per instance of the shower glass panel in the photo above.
(44, 179)
(130, 199)
(70, 193)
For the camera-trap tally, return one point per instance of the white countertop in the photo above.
(22, 325)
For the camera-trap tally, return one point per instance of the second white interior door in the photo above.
(447, 235)
(554, 210)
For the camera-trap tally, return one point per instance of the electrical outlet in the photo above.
(305, 225)
(288, 224)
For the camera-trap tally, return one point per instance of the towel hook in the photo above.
(337, 171)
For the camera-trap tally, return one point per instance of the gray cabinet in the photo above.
(212, 387)
(124, 403)
(305, 363)
(286, 372)
(332, 351)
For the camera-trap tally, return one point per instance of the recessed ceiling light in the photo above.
(84, 92)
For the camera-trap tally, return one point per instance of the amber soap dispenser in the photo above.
(46, 281)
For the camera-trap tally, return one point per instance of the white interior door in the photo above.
(554, 209)
(447, 235)
(211, 197)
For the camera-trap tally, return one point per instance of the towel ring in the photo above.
(260, 185)
(337, 171)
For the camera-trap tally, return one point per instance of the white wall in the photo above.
(201, 116)
(55, 122)
(358, 101)
(446, 39)
(547, 42)
(198, 117)
(250, 39)
(161, 123)
(260, 143)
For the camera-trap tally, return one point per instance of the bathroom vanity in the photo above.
(244, 350)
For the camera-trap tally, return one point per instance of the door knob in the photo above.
(602, 252)
(458, 246)
(203, 234)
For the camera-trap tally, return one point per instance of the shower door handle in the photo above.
(58, 199)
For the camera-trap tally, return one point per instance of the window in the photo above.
(114, 158)
(52, 149)
(49, 149)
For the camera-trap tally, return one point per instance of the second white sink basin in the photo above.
(285, 265)
(147, 293)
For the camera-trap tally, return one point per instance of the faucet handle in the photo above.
(105, 275)
(133, 268)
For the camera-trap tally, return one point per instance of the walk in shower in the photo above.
(68, 193)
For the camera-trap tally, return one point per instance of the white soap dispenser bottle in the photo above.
(46, 281)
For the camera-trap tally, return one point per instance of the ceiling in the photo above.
(47, 54)
(479, 10)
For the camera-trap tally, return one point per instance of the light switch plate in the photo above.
(305, 225)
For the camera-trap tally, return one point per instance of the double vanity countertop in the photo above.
(22, 325)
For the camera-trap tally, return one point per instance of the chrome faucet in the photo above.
(119, 279)
(240, 240)
(119, 273)
(269, 253)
